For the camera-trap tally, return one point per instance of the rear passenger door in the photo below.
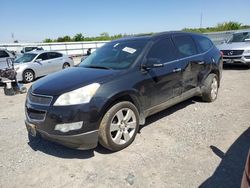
(163, 83)
(190, 59)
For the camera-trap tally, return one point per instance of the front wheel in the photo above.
(211, 88)
(28, 76)
(119, 126)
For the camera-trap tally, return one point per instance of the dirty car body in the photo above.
(145, 76)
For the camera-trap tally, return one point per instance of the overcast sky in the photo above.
(33, 21)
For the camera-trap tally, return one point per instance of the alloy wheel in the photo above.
(123, 126)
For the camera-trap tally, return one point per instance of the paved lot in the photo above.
(189, 145)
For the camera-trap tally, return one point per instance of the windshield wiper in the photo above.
(97, 67)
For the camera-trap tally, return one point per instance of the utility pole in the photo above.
(13, 37)
(201, 17)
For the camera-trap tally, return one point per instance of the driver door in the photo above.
(163, 83)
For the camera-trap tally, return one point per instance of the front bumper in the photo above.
(82, 141)
(44, 119)
(236, 59)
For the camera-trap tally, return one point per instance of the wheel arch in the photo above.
(130, 96)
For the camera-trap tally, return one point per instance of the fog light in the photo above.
(66, 127)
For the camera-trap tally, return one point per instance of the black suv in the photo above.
(111, 93)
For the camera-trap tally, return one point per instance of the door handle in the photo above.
(177, 70)
(200, 62)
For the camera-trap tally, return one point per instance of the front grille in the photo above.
(36, 115)
(39, 99)
(232, 52)
(231, 57)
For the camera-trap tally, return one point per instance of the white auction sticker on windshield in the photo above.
(129, 50)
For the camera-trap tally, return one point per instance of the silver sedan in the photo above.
(40, 63)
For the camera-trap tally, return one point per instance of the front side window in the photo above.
(25, 58)
(43, 56)
(115, 55)
(185, 46)
(163, 51)
(3, 54)
(240, 37)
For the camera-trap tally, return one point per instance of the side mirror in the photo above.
(152, 63)
(38, 60)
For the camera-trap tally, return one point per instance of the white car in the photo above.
(4, 55)
(40, 63)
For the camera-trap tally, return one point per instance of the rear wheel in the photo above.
(66, 65)
(28, 76)
(119, 126)
(211, 87)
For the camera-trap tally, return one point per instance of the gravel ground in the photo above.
(192, 144)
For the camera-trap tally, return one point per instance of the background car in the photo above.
(237, 49)
(30, 48)
(40, 63)
(4, 54)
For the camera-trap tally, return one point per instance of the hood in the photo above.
(234, 46)
(71, 79)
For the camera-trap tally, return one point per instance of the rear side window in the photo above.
(53, 55)
(3, 54)
(185, 46)
(43, 56)
(163, 50)
(204, 44)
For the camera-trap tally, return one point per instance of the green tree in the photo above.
(78, 37)
(47, 40)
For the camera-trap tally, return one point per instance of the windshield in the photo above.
(240, 37)
(115, 55)
(25, 58)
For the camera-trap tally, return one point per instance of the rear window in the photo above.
(204, 44)
(185, 46)
(3, 54)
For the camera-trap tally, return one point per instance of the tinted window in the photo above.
(204, 43)
(3, 54)
(163, 50)
(185, 46)
(53, 55)
(43, 56)
(28, 49)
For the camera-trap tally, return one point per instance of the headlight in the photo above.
(78, 96)
(247, 52)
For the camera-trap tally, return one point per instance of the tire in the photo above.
(28, 76)
(66, 65)
(211, 88)
(124, 118)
